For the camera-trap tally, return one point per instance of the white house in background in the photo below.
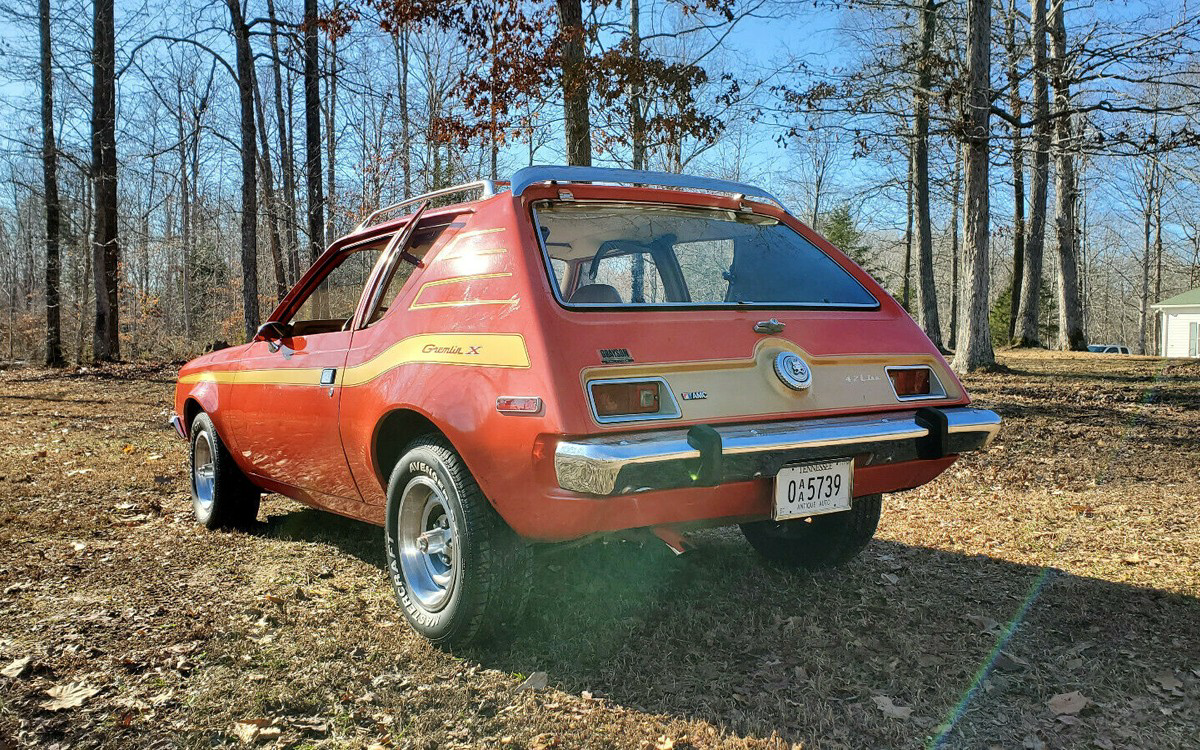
(1180, 325)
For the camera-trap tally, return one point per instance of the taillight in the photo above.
(915, 382)
(621, 400)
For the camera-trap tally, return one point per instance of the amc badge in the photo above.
(793, 371)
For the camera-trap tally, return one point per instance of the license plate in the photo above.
(811, 489)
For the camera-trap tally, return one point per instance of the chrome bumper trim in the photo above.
(666, 459)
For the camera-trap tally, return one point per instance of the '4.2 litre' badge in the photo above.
(793, 371)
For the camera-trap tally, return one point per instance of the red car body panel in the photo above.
(479, 320)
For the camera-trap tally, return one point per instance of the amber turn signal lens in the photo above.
(912, 382)
(622, 399)
(518, 404)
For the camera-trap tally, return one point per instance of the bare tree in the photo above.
(286, 157)
(106, 342)
(975, 340)
(575, 84)
(926, 286)
(400, 48)
(312, 133)
(1070, 306)
(955, 281)
(1016, 105)
(54, 356)
(249, 155)
(637, 112)
(1026, 330)
(270, 198)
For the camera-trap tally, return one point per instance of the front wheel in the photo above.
(818, 542)
(458, 570)
(222, 496)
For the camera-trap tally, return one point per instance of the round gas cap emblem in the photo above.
(793, 371)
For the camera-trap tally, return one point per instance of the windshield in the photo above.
(636, 254)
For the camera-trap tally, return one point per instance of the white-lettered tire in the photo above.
(819, 542)
(222, 496)
(459, 571)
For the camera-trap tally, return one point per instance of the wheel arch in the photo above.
(191, 408)
(393, 433)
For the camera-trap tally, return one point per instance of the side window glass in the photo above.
(562, 274)
(634, 276)
(706, 267)
(332, 304)
(422, 241)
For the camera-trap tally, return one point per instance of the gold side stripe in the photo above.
(471, 349)
(459, 255)
(505, 350)
(514, 301)
(467, 235)
(417, 304)
(457, 279)
(210, 376)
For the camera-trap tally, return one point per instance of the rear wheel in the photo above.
(459, 571)
(817, 542)
(222, 496)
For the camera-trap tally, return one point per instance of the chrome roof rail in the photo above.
(539, 174)
(486, 187)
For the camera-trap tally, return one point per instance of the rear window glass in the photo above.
(629, 254)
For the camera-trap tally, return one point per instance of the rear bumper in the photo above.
(708, 456)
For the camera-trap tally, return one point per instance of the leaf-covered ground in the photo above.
(1044, 594)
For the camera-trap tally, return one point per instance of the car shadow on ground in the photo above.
(899, 647)
(356, 538)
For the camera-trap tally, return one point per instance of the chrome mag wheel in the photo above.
(203, 471)
(430, 558)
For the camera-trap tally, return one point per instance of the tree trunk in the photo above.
(575, 83)
(1071, 336)
(331, 88)
(400, 45)
(955, 282)
(1147, 215)
(106, 342)
(286, 157)
(975, 340)
(270, 199)
(249, 153)
(1158, 264)
(1026, 332)
(54, 355)
(908, 227)
(185, 219)
(637, 118)
(312, 134)
(1018, 166)
(927, 303)
(86, 277)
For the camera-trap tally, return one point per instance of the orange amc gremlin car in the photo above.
(578, 352)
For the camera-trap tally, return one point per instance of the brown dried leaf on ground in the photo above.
(1068, 703)
(252, 730)
(1168, 680)
(68, 695)
(890, 709)
(535, 681)
(16, 668)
